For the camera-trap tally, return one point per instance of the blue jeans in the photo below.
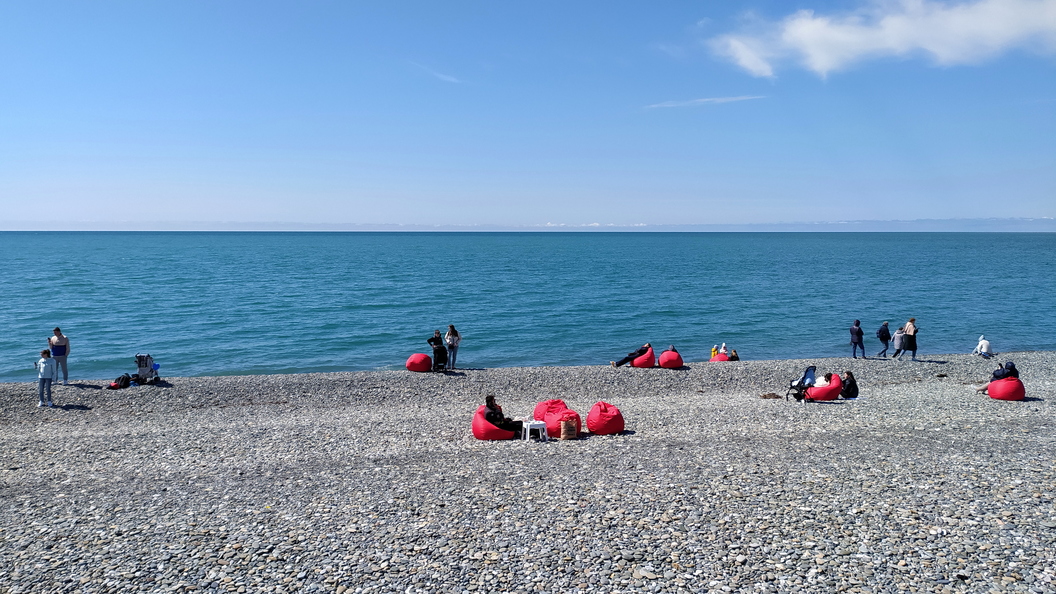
(452, 353)
(883, 353)
(854, 349)
(44, 386)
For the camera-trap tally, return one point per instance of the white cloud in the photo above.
(949, 33)
(439, 75)
(695, 102)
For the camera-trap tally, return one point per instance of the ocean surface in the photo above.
(255, 303)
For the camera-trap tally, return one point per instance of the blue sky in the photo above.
(526, 114)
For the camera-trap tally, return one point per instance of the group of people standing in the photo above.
(52, 359)
(904, 339)
(445, 348)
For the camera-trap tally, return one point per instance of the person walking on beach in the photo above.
(632, 356)
(883, 334)
(909, 342)
(452, 338)
(857, 339)
(439, 351)
(897, 342)
(47, 372)
(60, 349)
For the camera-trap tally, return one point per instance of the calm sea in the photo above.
(252, 303)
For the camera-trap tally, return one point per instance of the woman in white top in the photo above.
(452, 338)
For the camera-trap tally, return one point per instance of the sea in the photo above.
(219, 303)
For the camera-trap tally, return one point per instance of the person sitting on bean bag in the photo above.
(645, 348)
(493, 414)
(829, 391)
(1007, 371)
(670, 359)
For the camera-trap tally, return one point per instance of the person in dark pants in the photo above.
(909, 342)
(493, 414)
(883, 334)
(857, 339)
(439, 351)
(850, 386)
(632, 356)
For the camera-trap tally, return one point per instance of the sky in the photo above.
(527, 114)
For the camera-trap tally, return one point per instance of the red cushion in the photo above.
(546, 406)
(1009, 388)
(829, 392)
(553, 421)
(482, 429)
(668, 360)
(646, 360)
(720, 357)
(604, 419)
(419, 362)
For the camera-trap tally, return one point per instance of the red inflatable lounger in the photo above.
(604, 419)
(419, 362)
(484, 430)
(547, 406)
(1009, 388)
(646, 360)
(720, 357)
(829, 392)
(668, 360)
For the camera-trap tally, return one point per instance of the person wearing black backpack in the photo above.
(883, 334)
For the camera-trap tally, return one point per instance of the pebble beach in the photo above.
(372, 482)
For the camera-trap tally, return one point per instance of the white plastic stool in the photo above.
(528, 425)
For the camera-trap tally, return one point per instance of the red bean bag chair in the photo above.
(605, 419)
(1009, 388)
(829, 392)
(484, 430)
(546, 406)
(720, 357)
(646, 360)
(419, 362)
(668, 360)
(553, 422)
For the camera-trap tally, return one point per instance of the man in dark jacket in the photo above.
(883, 334)
(857, 336)
(632, 356)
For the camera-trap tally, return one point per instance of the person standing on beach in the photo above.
(47, 372)
(857, 339)
(909, 342)
(883, 334)
(452, 338)
(439, 351)
(898, 341)
(60, 349)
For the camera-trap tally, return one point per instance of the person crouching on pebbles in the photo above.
(983, 348)
(494, 415)
(47, 372)
(632, 356)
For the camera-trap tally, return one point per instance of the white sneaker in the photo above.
(40, 405)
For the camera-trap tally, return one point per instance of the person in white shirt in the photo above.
(47, 372)
(983, 348)
(452, 338)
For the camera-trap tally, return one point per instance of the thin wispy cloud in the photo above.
(705, 101)
(438, 75)
(948, 33)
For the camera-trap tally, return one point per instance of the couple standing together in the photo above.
(445, 349)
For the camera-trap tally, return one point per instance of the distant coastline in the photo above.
(987, 225)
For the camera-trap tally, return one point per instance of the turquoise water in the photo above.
(249, 303)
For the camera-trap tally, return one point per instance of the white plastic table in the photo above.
(528, 424)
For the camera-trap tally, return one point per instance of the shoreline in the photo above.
(782, 363)
(372, 481)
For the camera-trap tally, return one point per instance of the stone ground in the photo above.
(372, 482)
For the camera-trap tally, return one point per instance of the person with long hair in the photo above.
(909, 341)
(452, 338)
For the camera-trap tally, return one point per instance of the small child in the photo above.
(47, 372)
